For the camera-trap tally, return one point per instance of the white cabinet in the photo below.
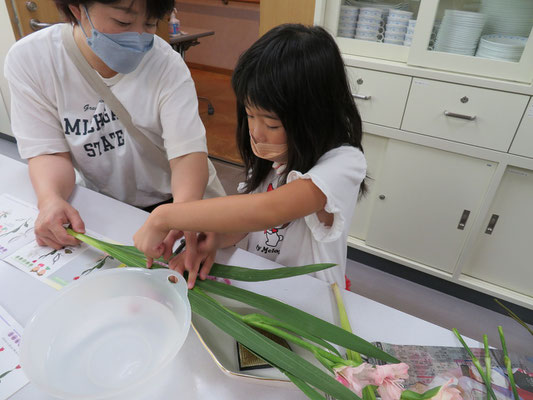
(377, 91)
(448, 121)
(427, 199)
(374, 148)
(502, 253)
(488, 38)
(523, 141)
(481, 117)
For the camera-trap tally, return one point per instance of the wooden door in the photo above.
(426, 202)
(502, 253)
(276, 12)
(37, 14)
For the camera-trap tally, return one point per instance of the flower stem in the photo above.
(488, 366)
(477, 364)
(345, 323)
(507, 362)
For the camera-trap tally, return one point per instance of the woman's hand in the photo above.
(49, 226)
(198, 257)
(150, 238)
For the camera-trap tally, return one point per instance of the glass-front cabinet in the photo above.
(489, 38)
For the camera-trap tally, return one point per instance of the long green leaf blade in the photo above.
(270, 351)
(304, 387)
(303, 320)
(256, 275)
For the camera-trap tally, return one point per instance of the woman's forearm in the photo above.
(52, 176)
(189, 177)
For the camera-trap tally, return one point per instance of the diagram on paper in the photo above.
(11, 376)
(17, 220)
(57, 268)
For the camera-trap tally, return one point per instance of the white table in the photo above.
(193, 374)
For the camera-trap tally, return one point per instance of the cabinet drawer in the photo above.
(523, 141)
(380, 97)
(481, 117)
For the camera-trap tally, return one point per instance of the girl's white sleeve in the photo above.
(338, 174)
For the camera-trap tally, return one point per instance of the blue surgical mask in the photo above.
(122, 52)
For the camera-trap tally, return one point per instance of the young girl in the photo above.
(299, 135)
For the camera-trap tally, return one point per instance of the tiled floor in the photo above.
(431, 305)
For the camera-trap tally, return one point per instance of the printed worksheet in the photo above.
(17, 219)
(12, 378)
(58, 268)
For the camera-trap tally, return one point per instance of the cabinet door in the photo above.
(523, 141)
(502, 254)
(374, 148)
(427, 201)
(488, 38)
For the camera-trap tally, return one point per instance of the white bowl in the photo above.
(106, 334)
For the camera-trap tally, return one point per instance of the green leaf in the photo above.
(410, 395)
(294, 329)
(514, 316)
(303, 320)
(304, 387)
(256, 275)
(268, 350)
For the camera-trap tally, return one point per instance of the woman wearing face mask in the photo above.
(61, 123)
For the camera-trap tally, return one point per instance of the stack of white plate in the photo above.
(509, 17)
(396, 28)
(459, 32)
(410, 32)
(501, 47)
(402, 5)
(347, 21)
(369, 24)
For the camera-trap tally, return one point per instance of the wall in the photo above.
(7, 38)
(236, 27)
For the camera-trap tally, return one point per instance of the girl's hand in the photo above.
(198, 257)
(150, 239)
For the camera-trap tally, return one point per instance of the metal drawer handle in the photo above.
(462, 221)
(36, 24)
(492, 224)
(460, 116)
(361, 96)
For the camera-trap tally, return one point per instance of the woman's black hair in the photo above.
(296, 72)
(154, 8)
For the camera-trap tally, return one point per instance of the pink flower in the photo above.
(447, 392)
(389, 379)
(356, 378)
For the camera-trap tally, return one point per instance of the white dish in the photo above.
(223, 349)
(106, 334)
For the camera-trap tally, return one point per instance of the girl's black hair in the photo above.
(154, 8)
(296, 72)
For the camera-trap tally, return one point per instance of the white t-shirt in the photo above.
(54, 109)
(338, 174)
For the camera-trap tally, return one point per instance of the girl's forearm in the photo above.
(242, 213)
(230, 239)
